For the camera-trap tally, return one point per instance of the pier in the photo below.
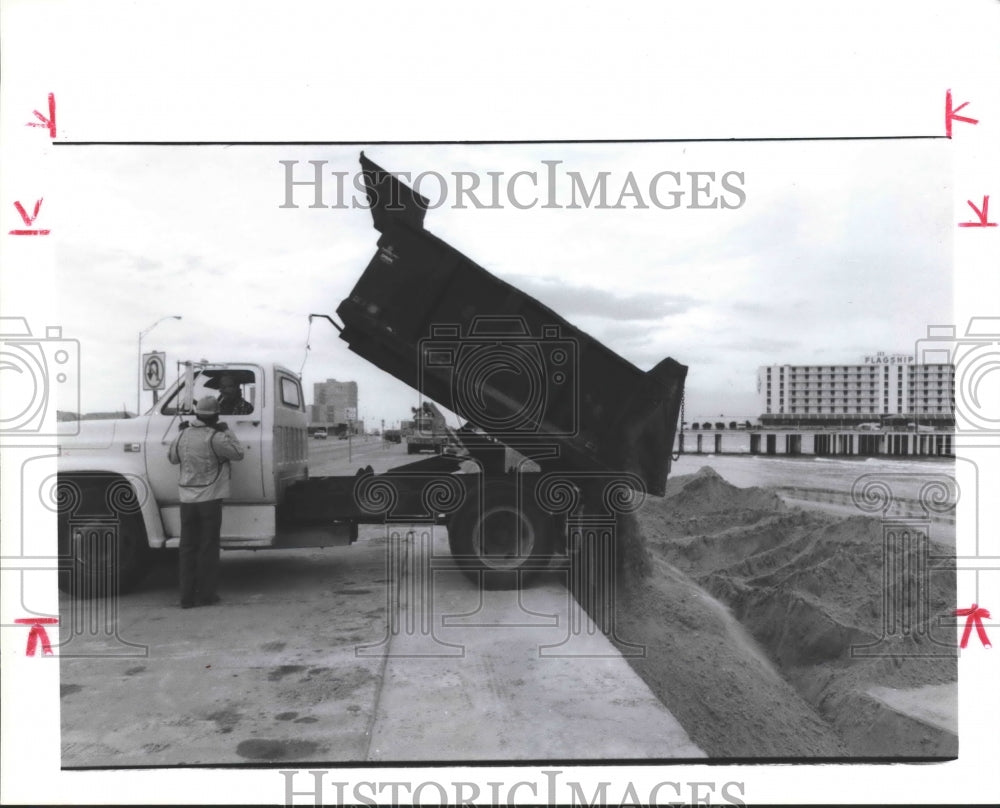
(832, 443)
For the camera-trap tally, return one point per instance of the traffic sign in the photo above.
(154, 371)
(351, 413)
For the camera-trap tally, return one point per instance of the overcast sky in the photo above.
(841, 248)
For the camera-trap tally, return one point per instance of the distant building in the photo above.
(334, 403)
(884, 388)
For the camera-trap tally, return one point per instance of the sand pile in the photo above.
(704, 502)
(771, 672)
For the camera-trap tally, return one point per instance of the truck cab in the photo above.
(123, 491)
(271, 426)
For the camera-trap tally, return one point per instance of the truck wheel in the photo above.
(501, 545)
(100, 558)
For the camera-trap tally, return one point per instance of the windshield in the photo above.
(234, 389)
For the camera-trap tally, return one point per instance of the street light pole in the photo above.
(138, 385)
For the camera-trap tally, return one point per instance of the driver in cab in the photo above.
(231, 401)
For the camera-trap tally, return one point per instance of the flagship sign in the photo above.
(882, 358)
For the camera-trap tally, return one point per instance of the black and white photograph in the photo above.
(586, 406)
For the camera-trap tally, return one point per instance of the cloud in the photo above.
(762, 345)
(573, 300)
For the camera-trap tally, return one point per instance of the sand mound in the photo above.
(707, 492)
(763, 540)
(706, 503)
(776, 670)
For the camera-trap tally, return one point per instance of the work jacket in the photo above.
(204, 455)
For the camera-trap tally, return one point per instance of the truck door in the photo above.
(286, 454)
(244, 415)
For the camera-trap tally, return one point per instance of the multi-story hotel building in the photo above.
(884, 388)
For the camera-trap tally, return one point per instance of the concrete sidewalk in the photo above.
(309, 659)
(475, 675)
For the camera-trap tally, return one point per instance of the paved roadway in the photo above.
(334, 456)
(377, 652)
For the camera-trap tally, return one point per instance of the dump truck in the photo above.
(428, 430)
(549, 416)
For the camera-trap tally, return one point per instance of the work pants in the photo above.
(201, 523)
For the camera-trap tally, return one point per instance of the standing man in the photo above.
(204, 450)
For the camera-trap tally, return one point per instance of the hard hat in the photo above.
(206, 406)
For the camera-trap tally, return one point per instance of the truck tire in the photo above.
(503, 544)
(99, 556)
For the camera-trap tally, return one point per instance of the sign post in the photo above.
(154, 372)
(352, 414)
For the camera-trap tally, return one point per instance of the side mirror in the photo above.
(186, 402)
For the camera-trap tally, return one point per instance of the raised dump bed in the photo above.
(507, 364)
